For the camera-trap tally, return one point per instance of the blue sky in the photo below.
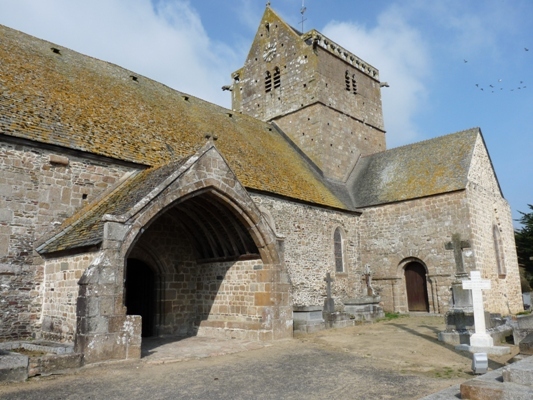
(436, 55)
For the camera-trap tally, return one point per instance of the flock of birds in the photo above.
(498, 86)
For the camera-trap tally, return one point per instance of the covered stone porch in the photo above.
(183, 251)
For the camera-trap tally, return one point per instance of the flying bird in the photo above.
(465, 61)
(477, 84)
(526, 49)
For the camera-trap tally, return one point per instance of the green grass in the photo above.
(389, 316)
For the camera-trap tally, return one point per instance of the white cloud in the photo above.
(166, 41)
(401, 55)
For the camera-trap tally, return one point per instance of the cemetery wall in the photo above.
(39, 189)
(309, 249)
(493, 236)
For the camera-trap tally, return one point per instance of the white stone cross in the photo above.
(480, 338)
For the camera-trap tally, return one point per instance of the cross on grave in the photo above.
(480, 338)
(457, 245)
(368, 280)
(329, 304)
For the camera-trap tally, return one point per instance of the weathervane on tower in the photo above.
(302, 11)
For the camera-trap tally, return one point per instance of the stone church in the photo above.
(129, 209)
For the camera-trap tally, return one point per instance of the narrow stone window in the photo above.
(347, 80)
(350, 84)
(498, 250)
(354, 85)
(268, 82)
(277, 78)
(338, 250)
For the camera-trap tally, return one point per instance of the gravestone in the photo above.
(480, 338)
(480, 341)
(365, 308)
(308, 319)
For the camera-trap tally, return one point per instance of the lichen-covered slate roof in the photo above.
(434, 166)
(85, 228)
(82, 103)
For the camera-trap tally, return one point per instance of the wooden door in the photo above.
(140, 293)
(417, 294)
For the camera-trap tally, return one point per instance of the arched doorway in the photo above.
(140, 293)
(416, 285)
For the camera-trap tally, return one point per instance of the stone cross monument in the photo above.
(368, 280)
(457, 245)
(480, 338)
(329, 303)
(461, 299)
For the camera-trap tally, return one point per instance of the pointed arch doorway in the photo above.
(416, 286)
(140, 293)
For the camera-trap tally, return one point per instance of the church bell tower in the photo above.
(324, 98)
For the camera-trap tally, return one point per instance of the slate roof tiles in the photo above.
(82, 103)
(435, 166)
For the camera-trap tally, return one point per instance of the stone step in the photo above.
(510, 382)
(520, 372)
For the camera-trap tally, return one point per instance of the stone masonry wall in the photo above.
(61, 276)
(489, 212)
(189, 293)
(309, 249)
(333, 141)
(38, 190)
(415, 230)
(362, 101)
(165, 248)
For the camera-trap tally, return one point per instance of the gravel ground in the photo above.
(398, 359)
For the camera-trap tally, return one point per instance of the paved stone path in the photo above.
(170, 350)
